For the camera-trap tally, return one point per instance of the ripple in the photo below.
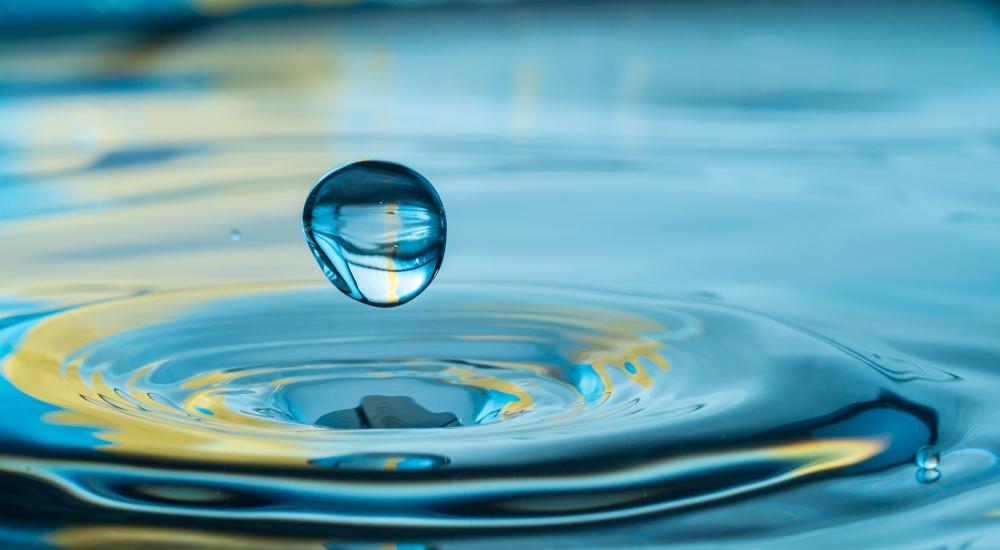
(478, 406)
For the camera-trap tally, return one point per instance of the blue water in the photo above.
(719, 275)
(377, 230)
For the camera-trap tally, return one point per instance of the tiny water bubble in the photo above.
(928, 457)
(928, 475)
(235, 235)
(377, 230)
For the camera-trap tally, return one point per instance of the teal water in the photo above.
(718, 275)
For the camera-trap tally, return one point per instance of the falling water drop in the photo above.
(928, 457)
(235, 235)
(377, 230)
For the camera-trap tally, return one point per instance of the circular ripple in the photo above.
(477, 406)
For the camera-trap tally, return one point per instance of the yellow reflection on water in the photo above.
(610, 339)
(46, 365)
(41, 367)
(86, 537)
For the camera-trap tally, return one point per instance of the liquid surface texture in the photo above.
(466, 411)
(377, 230)
(720, 275)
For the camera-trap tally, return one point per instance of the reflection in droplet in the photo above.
(235, 235)
(378, 231)
(928, 475)
(928, 457)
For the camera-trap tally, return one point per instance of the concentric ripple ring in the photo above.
(478, 406)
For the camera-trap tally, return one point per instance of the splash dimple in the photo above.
(377, 230)
(479, 407)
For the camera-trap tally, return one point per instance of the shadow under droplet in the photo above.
(381, 412)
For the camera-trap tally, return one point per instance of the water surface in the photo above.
(716, 274)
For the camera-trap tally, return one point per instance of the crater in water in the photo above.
(387, 413)
(479, 407)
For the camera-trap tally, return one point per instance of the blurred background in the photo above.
(805, 158)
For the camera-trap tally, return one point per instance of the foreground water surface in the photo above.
(716, 274)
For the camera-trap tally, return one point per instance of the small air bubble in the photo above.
(235, 235)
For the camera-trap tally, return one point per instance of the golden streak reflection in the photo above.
(46, 365)
(86, 537)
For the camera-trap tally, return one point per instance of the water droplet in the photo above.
(928, 475)
(235, 235)
(378, 231)
(928, 457)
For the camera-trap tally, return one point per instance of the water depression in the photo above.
(482, 406)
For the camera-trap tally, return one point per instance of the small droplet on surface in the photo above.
(235, 235)
(928, 457)
(928, 475)
(378, 231)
